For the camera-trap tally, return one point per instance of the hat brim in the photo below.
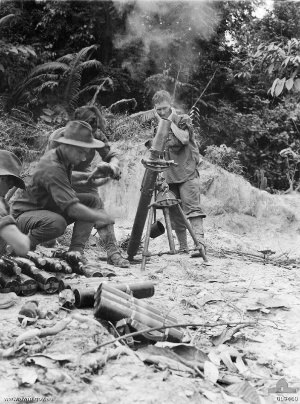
(19, 183)
(95, 144)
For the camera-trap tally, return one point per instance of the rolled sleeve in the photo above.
(59, 187)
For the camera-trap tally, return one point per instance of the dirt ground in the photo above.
(236, 288)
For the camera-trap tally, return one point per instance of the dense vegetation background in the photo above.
(236, 74)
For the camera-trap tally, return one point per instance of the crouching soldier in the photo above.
(10, 167)
(183, 179)
(50, 203)
(107, 168)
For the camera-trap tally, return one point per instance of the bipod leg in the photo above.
(147, 238)
(169, 230)
(198, 245)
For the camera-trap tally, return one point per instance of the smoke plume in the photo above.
(159, 24)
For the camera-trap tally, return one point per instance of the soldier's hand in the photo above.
(116, 171)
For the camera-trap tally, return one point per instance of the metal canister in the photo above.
(9, 284)
(28, 285)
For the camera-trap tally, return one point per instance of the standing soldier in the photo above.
(183, 179)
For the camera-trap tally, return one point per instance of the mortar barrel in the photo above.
(142, 212)
(160, 138)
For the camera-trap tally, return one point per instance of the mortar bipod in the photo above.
(165, 199)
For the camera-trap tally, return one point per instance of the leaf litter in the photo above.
(219, 361)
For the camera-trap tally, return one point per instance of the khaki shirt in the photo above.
(49, 188)
(186, 156)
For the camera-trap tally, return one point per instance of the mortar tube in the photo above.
(112, 311)
(147, 188)
(141, 307)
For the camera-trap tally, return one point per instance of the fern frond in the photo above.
(66, 58)
(143, 116)
(82, 54)
(88, 64)
(48, 67)
(5, 19)
(87, 89)
(49, 85)
(72, 86)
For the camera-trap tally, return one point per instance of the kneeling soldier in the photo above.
(50, 203)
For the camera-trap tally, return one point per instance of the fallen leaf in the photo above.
(190, 354)
(211, 298)
(271, 303)
(244, 390)
(55, 375)
(213, 397)
(229, 399)
(42, 361)
(226, 334)
(214, 358)
(27, 376)
(242, 368)
(226, 359)
(190, 303)
(59, 357)
(254, 308)
(211, 371)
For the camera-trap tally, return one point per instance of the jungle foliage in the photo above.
(236, 74)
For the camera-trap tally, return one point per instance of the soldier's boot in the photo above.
(109, 243)
(182, 239)
(197, 226)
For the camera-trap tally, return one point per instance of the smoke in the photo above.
(159, 25)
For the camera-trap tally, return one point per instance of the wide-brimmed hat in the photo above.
(79, 133)
(11, 165)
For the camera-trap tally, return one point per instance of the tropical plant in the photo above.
(60, 82)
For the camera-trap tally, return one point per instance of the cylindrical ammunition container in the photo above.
(29, 311)
(9, 267)
(84, 297)
(85, 294)
(139, 305)
(46, 282)
(9, 284)
(28, 285)
(66, 268)
(110, 310)
(52, 265)
(40, 262)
